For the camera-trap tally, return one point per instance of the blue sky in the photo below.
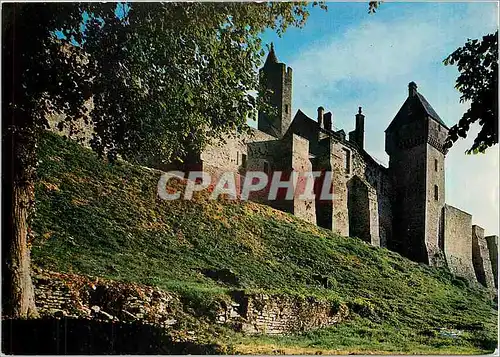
(345, 58)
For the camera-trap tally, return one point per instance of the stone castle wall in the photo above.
(408, 171)
(458, 242)
(435, 202)
(228, 156)
(338, 158)
(385, 199)
(492, 243)
(361, 203)
(481, 258)
(77, 129)
(363, 183)
(305, 209)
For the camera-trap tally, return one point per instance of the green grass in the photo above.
(361, 335)
(105, 219)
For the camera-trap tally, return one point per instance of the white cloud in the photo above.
(472, 183)
(372, 52)
(371, 64)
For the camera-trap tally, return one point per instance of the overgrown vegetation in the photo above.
(105, 219)
(163, 80)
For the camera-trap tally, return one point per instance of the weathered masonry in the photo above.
(400, 207)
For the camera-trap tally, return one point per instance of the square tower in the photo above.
(414, 143)
(277, 79)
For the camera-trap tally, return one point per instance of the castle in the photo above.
(400, 207)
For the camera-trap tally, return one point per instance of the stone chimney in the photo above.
(321, 112)
(327, 118)
(360, 129)
(412, 89)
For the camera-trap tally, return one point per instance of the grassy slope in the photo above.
(105, 220)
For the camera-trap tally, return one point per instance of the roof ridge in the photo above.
(430, 110)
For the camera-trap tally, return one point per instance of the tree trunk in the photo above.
(18, 196)
(22, 294)
(18, 166)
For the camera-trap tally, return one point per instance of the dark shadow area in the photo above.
(80, 337)
(225, 276)
(359, 211)
(324, 208)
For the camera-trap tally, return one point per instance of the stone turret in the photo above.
(277, 79)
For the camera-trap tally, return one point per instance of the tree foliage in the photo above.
(477, 62)
(170, 77)
(164, 78)
(373, 6)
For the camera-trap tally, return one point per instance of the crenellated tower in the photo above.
(414, 143)
(277, 78)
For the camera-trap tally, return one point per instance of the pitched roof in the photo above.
(271, 56)
(430, 110)
(414, 102)
(300, 115)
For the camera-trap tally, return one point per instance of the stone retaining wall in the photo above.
(53, 296)
(93, 298)
(277, 315)
(79, 296)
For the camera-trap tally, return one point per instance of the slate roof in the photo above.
(300, 115)
(304, 126)
(430, 110)
(271, 56)
(415, 102)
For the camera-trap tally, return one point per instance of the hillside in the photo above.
(101, 219)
